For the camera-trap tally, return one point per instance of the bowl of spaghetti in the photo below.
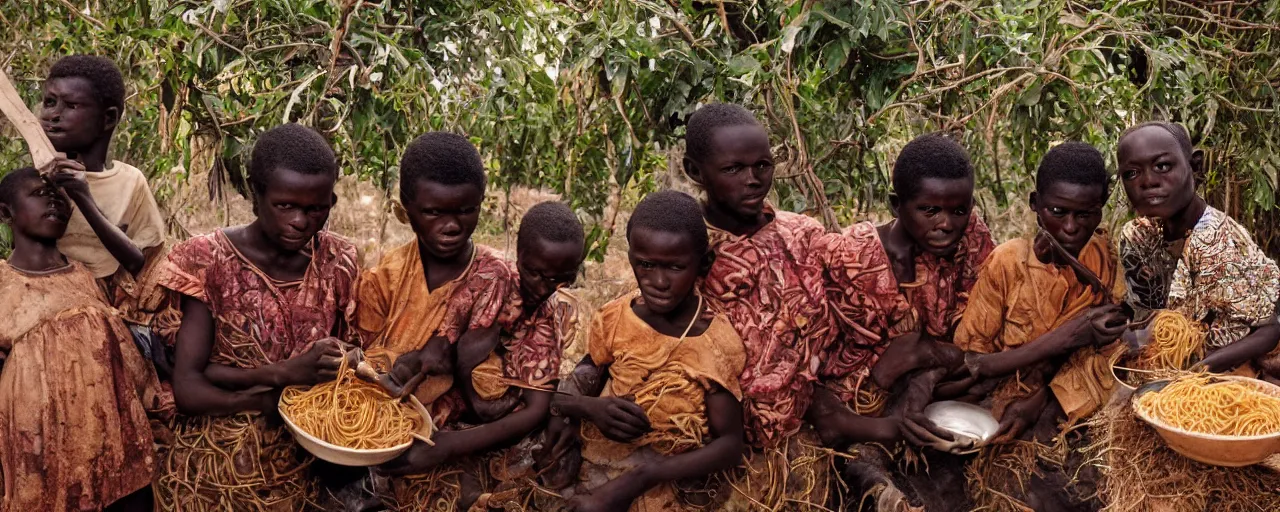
(1223, 420)
(351, 422)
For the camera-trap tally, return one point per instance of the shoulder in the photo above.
(204, 247)
(337, 253)
(488, 264)
(797, 224)
(1009, 253)
(611, 312)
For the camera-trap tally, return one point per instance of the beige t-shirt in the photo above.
(122, 193)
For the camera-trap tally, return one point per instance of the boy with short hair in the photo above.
(434, 300)
(82, 104)
(1037, 317)
(73, 430)
(263, 308)
(659, 386)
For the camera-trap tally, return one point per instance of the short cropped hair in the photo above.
(929, 156)
(1073, 162)
(290, 146)
(704, 122)
(440, 157)
(552, 221)
(670, 211)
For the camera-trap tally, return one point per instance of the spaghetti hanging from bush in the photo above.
(350, 413)
(1208, 405)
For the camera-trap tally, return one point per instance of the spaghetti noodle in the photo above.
(1176, 342)
(1208, 405)
(350, 413)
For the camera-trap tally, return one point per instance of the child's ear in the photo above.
(1197, 164)
(1033, 199)
(333, 199)
(894, 203)
(6, 214)
(691, 170)
(110, 118)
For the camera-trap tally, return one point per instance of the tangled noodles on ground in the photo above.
(1209, 405)
(351, 413)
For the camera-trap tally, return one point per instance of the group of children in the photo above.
(762, 362)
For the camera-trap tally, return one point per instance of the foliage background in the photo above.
(587, 97)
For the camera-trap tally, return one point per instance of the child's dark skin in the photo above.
(667, 268)
(79, 126)
(543, 266)
(444, 217)
(38, 217)
(737, 174)
(290, 211)
(1159, 179)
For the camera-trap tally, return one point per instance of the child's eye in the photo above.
(647, 265)
(1164, 166)
(284, 206)
(764, 166)
(960, 212)
(676, 268)
(1057, 212)
(732, 169)
(1128, 174)
(49, 102)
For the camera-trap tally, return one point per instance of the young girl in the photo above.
(261, 304)
(73, 432)
(658, 389)
(1184, 255)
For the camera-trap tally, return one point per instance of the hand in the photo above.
(421, 457)
(1020, 415)
(919, 431)
(68, 175)
(560, 457)
(492, 410)
(318, 364)
(610, 497)
(437, 357)
(1107, 323)
(961, 386)
(618, 419)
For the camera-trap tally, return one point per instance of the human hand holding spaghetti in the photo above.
(318, 364)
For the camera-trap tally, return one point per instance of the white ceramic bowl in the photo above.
(350, 456)
(1231, 451)
(963, 420)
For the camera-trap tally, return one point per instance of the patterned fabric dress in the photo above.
(73, 430)
(669, 378)
(243, 461)
(771, 286)
(1219, 277)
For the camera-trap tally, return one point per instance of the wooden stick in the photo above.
(28, 126)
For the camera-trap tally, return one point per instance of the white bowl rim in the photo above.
(354, 451)
(1201, 435)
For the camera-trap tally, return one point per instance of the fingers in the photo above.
(633, 414)
(919, 435)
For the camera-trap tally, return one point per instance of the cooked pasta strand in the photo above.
(1209, 405)
(351, 413)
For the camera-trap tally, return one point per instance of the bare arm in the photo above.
(193, 393)
(69, 175)
(1258, 343)
(725, 451)
(452, 444)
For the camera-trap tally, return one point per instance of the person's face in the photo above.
(737, 171)
(936, 217)
(545, 266)
(294, 206)
(1157, 176)
(666, 267)
(444, 216)
(39, 211)
(71, 116)
(1070, 212)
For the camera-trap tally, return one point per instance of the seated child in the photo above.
(83, 103)
(1032, 305)
(428, 299)
(1184, 255)
(768, 279)
(658, 389)
(73, 431)
(550, 247)
(261, 305)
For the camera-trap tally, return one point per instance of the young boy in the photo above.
(770, 280)
(432, 298)
(550, 248)
(83, 102)
(261, 304)
(658, 388)
(73, 431)
(1031, 307)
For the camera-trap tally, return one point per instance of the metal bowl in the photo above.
(351, 456)
(963, 420)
